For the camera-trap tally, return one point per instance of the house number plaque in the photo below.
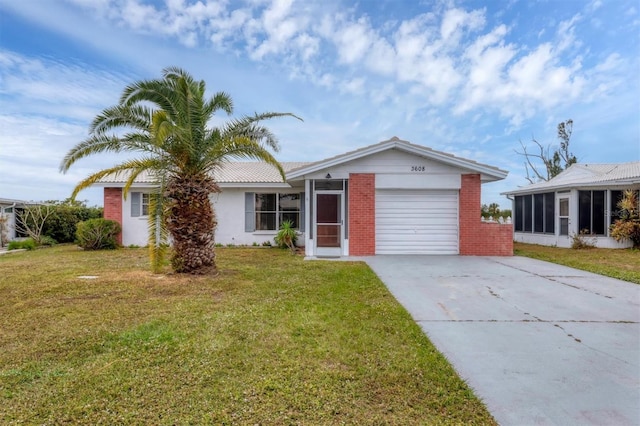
(417, 168)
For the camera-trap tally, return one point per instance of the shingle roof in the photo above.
(230, 172)
(585, 175)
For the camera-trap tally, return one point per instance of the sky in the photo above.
(470, 78)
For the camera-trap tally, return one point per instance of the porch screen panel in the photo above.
(528, 213)
(518, 219)
(549, 210)
(616, 196)
(538, 213)
(598, 204)
(584, 211)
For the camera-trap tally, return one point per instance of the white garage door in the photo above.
(416, 222)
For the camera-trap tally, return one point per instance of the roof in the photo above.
(254, 172)
(229, 172)
(10, 201)
(587, 175)
(488, 173)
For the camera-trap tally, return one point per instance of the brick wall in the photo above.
(479, 238)
(362, 214)
(113, 206)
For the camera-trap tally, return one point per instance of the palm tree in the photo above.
(166, 121)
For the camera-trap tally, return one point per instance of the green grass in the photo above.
(272, 340)
(623, 264)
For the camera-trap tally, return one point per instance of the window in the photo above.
(265, 212)
(591, 212)
(616, 196)
(139, 204)
(535, 213)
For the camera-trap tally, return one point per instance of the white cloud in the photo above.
(455, 21)
(353, 41)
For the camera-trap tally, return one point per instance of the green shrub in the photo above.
(97, 234)
(27, 244)
(46, 240)
(61, 224)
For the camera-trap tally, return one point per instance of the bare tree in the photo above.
(30, 220)
(553, 163)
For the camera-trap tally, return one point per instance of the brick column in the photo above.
(470, 209)
(113, 207)
(478, 238)
(362, 214)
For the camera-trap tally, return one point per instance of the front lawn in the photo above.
(272, 340)
(623, 264)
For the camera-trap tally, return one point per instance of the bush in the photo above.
(27, 244)
(627, 227)
(583, 240)
(46, 240)
(97, 234)
(61, 224)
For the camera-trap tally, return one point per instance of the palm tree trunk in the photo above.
(191, 222)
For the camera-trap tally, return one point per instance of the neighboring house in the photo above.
(583, 197)
(8, 218)
(393, 197)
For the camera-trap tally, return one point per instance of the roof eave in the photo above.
(611, 183)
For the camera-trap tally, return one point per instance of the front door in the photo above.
(328, 222)
(563, 215)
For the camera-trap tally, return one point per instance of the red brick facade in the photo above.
(362, 214)
(479, 238)
(113, 206)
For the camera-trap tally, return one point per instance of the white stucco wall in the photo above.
(565, 241)
(229, 208)
(134, 229)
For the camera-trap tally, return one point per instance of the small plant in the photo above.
(287, 236)
(266, 243)
(97, 234)
(255, 244)
(133, 246)
(219, 245)
(26, 244)
(583, 240)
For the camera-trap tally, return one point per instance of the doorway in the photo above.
(329, 234)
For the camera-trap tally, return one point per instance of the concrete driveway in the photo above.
(539, 343)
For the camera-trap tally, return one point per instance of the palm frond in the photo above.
(241, 148)
(93, 145)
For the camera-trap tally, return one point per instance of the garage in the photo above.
(416, 221)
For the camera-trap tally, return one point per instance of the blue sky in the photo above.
(470, 78)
